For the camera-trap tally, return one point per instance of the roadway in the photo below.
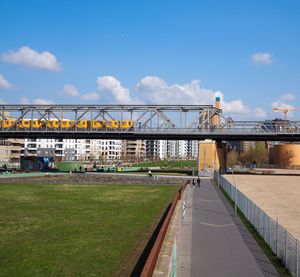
(215, 243)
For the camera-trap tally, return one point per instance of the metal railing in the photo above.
(283, 244)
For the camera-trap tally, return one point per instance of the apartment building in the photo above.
(73, 149)
(106, 149)
(50, 147)
(133, 150)
(164, 149)
(10, 151)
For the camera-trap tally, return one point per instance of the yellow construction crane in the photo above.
(285, 110)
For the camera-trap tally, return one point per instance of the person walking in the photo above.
(194, 183)
(198, 182)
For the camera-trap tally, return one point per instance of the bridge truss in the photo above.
(194, 122)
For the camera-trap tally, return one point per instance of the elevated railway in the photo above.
(174, 122)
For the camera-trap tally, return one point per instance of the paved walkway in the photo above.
(214, 241)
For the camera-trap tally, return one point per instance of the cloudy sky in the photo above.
(152, 51)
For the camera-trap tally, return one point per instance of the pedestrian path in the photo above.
(212, 244)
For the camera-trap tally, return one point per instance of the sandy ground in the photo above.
(271, 192)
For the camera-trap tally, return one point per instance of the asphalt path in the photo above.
(217, 248)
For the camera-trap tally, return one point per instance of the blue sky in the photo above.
(152, 52)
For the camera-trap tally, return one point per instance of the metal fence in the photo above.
(283, 244)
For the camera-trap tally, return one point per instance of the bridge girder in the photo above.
(149, 122)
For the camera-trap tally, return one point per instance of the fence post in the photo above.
(250, 204)
(258, 221)
(277, 252)
(249, 210)
(258, 217)
(235, 200)
(255, 215)
(270, 232)
(243, 204)
(285, 248)
(297, 260)
(264, 217)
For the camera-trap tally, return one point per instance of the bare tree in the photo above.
(232, 157)
(288, 157)
(258, 155)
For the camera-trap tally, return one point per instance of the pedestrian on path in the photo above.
(198, 182)
(194, 183)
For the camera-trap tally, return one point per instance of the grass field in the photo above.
(75, 230)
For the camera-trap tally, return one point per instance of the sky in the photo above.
(153, 52)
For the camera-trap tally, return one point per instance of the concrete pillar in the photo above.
(211, 156)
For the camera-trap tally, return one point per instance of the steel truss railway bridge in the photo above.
(167, 122)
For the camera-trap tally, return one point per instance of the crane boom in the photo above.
(285, 110)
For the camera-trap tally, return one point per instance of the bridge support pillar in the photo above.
(211, 156)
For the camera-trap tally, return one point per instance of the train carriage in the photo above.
(7, 123)
(67, 124)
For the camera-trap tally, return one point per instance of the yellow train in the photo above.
(67, 124)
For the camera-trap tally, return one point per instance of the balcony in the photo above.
(59, 146)
(31, 146)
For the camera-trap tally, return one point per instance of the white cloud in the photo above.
(4, 83)
(154, 90)
(235, 106)
(31, 58)
(287, 97)
(258, 112)
(280, 104)
(121, 95)
(71, 90)
(90, 96)
(41, 101)
(24, 100)
(262, 58)
(38, 101)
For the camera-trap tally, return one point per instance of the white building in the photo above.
(106, 149)
(73, 149)
(174, 149)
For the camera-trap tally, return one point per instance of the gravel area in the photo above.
(90, 179)
(275, 191)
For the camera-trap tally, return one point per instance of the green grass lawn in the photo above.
(75, 230)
